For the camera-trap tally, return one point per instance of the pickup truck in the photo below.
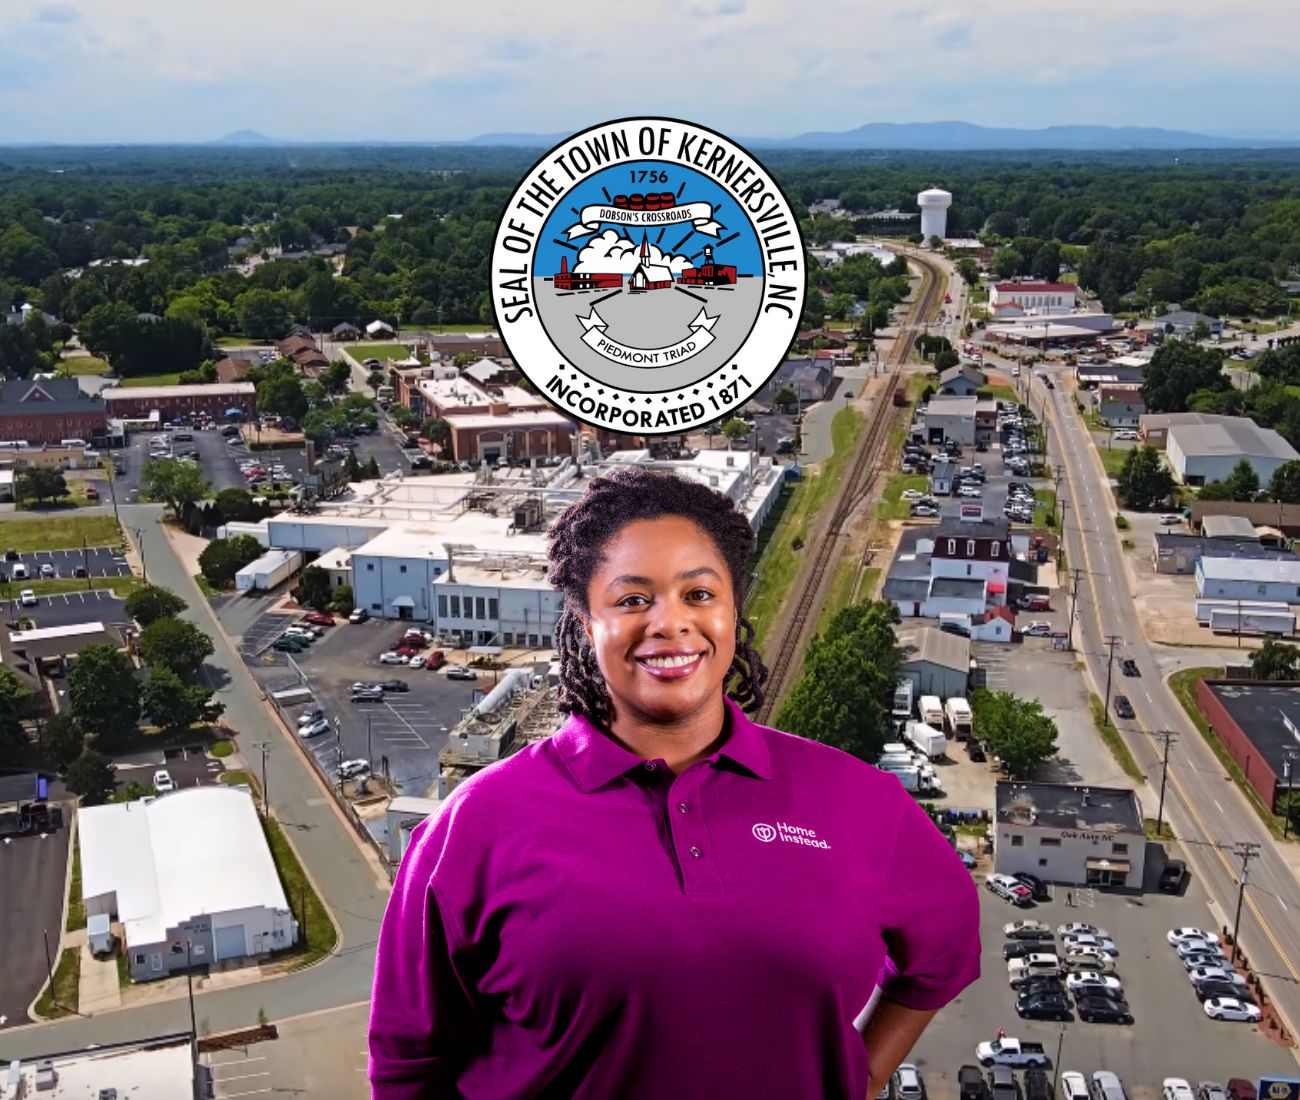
(1011, 1052)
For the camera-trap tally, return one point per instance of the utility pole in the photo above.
(1248, 850)
(265, 746)
(1059, 471)
(1074, 603)
(85, 563)
(1288, 770)
(1112, 640)
(338, 753)
(1056, 1066)
(370, 752)
(1168, 737)
(139, 541)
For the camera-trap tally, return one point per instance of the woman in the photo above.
(664, 899)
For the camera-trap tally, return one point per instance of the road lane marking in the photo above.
(1217, 806)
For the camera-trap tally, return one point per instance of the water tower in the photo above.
(934, 212)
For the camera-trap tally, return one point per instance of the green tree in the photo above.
(337, 375)
(372, 469)
(946, 358)
(352, 467)
(104, 693)
(314, 588)
(969, 270)
(845, 695)
(1242, 483)
(1144, 480)
(221, 559)
(264, 314)
(236, 506)
(174, 704)
(175, 644)
(735, 430)
(341, 599)
(1016, 730)
(1288, 806)
(1179, 369)
(39, 484)
(151, 603)
(375, 379)
(784, 398)
(176, 483)
(92, 776)
(437, 430)
(403, 417)
(63, 740)
(1275, 661)
(1284, 486)
(279, 390)
(15, 704)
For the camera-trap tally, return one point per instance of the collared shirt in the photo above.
(580, 922)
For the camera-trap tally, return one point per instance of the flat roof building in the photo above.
(161, 1068)
(1259, 724)
(1208, 451)
(1061, 832)
(1179, 553)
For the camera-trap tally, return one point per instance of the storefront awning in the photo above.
(1121, 865)
(403, 601)
(485, 650)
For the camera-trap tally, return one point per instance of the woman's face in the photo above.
(662, 620)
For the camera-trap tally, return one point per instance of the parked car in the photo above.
(435, 660)
(1026, 930)
(1102, 1010)
(1020, 949)
(314, 728)
(1076, 962)
(1037, 887)
(358, 615)
(1037, 1084)
(163, 782)
(307, 717)
(1239, 1088)
(460, 672)
(1091, 982)
(971, 1084)
(351, 769)
(1171, 878)
(47, 571)
(1002, 1084)
(1037, 629)
(1177, 936)
(1215, 973)
(1210, 989)
(394, 685)
(289, 643)
(395, 657)
(1211, 1090)
(908, 1084)
(1049, 1006)
(319, 618)
(1198, 959)
(1232, 1008)
(1187, 948)
(367, 695)
(1074, 1086)
(418, 661)
(1009, 889)
(1083, 941)
(27, 598)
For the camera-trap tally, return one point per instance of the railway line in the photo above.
(868, 459)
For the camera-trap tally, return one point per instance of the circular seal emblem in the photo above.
(648, 276)
(765, 833)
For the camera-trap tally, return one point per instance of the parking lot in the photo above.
(95, 561)
(97, 605)
(1171, 1036)
(188, 765)
(409, 728)
(32, 874)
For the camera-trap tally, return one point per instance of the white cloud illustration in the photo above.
(611, 252)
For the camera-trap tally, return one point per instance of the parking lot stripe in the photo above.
(414, 731)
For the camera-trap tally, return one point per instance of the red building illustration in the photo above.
(585, 280)
(709, 273)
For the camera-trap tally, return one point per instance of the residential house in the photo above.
(962, 380)
(1183, 322)
(1120, 406)
(345, 331)
(231, 369)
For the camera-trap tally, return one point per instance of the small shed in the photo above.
(346, 331)
(1228, 527)
(380, 329)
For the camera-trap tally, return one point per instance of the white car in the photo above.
(388, 657)
(307, 717)
(1038, 629)
(970, 491)
(315, 728)
(1126, 433)
(1090, 981)
(1074, 1086)
(1229, 1008)
(1196, 947)
(911, 494)
(1214, 974)
(163, 782)
(1015, 372)
(1175, 1088)
(1081, 941)
(1081, 928)
(27, 598)
(418, 661)
(907, 1083)
(1170, 520)
(1181, 935)
(351, 769)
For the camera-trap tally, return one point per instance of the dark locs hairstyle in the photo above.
(578, 541)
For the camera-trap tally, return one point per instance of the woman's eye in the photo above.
(701, 593)
(626, 601)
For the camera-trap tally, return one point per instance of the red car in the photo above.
(406, 651)
(319, 618)
(435, 660)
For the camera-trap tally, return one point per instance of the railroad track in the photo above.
(866, 463)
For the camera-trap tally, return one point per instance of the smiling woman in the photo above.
(665, 898)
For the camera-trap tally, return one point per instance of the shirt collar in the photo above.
(594, 758)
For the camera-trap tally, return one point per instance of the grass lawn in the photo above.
(61, 1000)
(779, 561)
(1044, 506)
(916, 383)
(237, 777)
(1183, 685)
(76, 907)
(119, 586)
(205, 586)
(84, 364)
(1110, 735)
(1112, 458)
(892, 506)
(1005, 394)
(221, 748)
(1166, 831)
(61, 531)
(237, 341)
(362, 352)
(449, 328)
(316, 926)
(172, 378)
(75, 499)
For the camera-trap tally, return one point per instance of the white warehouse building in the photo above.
(1276, 580)
(1081, 836)
(1207, 451)
(186, 874)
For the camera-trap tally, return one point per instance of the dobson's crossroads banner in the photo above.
(648, 276)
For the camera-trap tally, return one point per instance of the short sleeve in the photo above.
(423, 1022)
(932, 928)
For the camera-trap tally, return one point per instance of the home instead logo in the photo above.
(788, 834)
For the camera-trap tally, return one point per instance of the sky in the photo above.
(428, 70)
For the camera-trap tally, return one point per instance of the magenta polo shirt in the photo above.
(579, 922)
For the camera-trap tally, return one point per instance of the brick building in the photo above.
(48, 410)
(138, 402)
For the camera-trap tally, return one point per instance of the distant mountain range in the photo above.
(915, 136)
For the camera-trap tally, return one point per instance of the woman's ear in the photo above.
(586, 629)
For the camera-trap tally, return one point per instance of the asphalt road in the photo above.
(353, 888)
(1208, 813)
(32, 874)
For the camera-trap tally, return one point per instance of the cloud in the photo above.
(610, 252)
(57, 13)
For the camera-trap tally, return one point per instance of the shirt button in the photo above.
(682, 807)
(650, 765)
(696, 852)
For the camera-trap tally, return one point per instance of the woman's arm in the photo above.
(891, 1032)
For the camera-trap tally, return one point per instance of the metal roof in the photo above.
(923, 641)
(1231, 435)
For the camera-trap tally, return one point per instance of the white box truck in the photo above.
(918, 781)
(931, 710)
(961, 721)
(927, 739)
(1205, 608)
(1275, 623)
(903, 694)
(271, 569)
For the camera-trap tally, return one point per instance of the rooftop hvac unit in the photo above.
(731, 461)
(528, 515)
